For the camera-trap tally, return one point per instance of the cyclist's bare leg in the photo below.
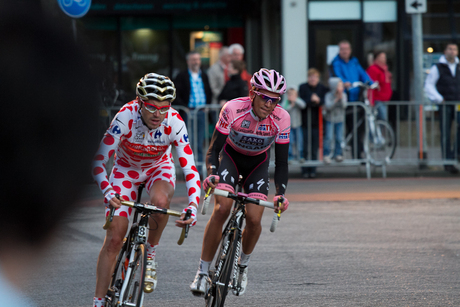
(213, 231)
(109, 252)
(253, 227)
(161, 194)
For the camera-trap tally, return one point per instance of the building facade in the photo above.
(126, 39)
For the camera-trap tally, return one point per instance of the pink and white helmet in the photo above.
(269, 80)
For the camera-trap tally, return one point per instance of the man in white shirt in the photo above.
(443, 85)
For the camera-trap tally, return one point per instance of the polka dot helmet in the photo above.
(156, 86)
(269, 80)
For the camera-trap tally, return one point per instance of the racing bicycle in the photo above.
(382, 140)
(127, 283)
(224, 276)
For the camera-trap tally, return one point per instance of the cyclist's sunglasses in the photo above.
(266, 98)
(153, 108)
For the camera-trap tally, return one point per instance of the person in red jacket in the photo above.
(379, 72)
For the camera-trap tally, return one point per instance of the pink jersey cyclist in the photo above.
(144, 155)
(247, 133)
(246, 129)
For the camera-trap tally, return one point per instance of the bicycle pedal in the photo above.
(149, 287)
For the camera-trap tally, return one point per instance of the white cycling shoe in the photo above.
(199, 285)
(150, 282)
(242, 280)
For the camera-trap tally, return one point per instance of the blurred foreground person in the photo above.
(49, 118)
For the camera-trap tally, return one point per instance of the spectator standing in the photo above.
(443, 84)
(379, 72)
(335, 103)
(312, 93)
(218, 74)
(349, 70)
(237, 53)
(294, 105)
(235, 87)
(193, 90)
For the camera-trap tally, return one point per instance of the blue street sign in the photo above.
(75, 8)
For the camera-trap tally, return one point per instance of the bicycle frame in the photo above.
(133, 244)
(225, 275)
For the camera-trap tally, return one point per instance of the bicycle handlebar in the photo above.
(152, 209)
(276, 215)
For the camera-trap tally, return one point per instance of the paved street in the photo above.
(343, 242)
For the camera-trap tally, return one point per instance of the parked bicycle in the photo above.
(127, 284)
(382, 140)
(226, 275)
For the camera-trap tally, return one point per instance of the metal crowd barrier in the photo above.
(418, 142)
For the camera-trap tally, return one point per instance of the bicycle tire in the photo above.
(118, 275)
(135, 288)
(383, 151)
(227, 269)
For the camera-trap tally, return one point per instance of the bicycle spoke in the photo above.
(134, 292)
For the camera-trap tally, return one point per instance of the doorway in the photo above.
(323, 34)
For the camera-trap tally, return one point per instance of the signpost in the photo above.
(75, 9)
(416, 8)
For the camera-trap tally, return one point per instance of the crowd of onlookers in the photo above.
(228, 79)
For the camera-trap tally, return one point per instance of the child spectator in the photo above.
(235, 87)
(293, 104)
(335, 103)
(312, 92)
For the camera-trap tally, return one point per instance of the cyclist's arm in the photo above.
(187, 162)
(281, 167)
(107, 149)
(212, 157)
(282, 154)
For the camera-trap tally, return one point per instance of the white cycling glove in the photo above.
(193, 208)
(108, 197)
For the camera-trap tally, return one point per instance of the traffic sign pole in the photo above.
(416, 8)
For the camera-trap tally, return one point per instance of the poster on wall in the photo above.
(207, 44)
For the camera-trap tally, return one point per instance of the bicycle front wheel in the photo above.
(382, 144)
(118, 276)
(228, 262)
(135, 289)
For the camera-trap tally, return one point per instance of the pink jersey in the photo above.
(248, 134)
(139, 148)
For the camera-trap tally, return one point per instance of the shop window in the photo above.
(99, 37)
(380, 11)
(381, 37)
(436, 6)
(144, 48)
(334, 10)
(435, 25)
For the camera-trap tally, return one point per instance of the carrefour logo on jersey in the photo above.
(116, 130)
(265, 128)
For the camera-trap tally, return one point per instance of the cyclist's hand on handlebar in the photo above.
(192, 220)
(208, 182)
(110, 199)
(284, 204)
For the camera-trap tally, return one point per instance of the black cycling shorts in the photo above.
(254, 170)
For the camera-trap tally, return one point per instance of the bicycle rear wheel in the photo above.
(382, 145)
(135, 290)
